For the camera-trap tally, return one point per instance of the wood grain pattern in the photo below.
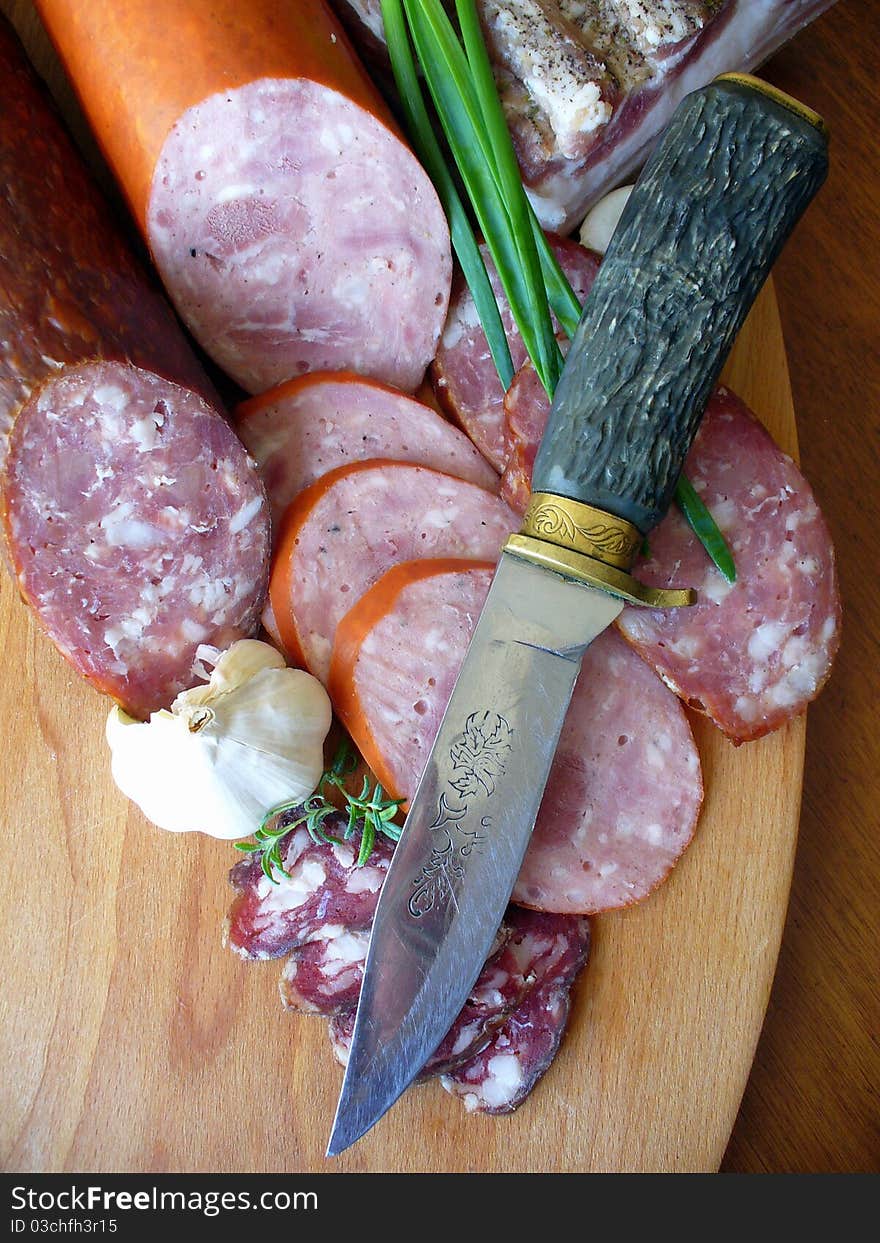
(135, 1042)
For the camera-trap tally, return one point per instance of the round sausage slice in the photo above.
(625, 788)
(464, 375)
(137, 526)
(341, 534)
(300, 430)
(754, 653)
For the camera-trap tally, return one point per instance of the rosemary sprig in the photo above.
(371, 809)
(462, 85)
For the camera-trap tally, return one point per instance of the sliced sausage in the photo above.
(307, 427)
(137, 528)
(395, 660)
(753, 654)
(625, 788)
(341, 534)
(324, 894)
(292, 227)
(325, 976)
(534, 948)
(464, 375)
(70, 288)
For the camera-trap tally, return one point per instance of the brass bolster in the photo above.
(781, 97)
(590, 546)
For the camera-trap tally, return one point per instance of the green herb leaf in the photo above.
(456, 100)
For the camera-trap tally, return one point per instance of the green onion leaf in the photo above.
(428, 150)
(705, 528)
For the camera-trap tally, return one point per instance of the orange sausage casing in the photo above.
(292, 227)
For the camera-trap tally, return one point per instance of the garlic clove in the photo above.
(227, 752)
(231, 668)
(601, 220)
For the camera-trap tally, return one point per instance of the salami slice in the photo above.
(624, 790)
(534, 948)
(753, 654)
(341, 534)
(307, 427)
(70, 288)
(137, 527)
(325, 976)
(526, 411)
(500, 1077)
(324, 894)
(465, 379)
(292, 227)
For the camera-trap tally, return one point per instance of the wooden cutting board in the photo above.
(138, 1043)
(133, 1041)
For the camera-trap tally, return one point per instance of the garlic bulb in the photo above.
(228, 751)
(601, 220)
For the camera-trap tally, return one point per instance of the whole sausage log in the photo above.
(292, 227)
(70, 288)
(136, 525)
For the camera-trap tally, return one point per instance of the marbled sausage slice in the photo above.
(753, 654)
(299, 431)
(534, 948)
(624, 790)
(341, 534)
(464, 375)
(325, 893)
(500, 1077)
(325, 976)
(295, 232)
(137, 527)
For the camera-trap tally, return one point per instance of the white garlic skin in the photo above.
(601, 220)
(228, 751)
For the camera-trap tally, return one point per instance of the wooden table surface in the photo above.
(811, 1103)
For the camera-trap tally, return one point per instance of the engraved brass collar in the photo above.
(591, 546)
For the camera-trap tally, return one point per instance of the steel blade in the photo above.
(467, 830)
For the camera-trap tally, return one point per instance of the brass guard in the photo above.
(591, 546)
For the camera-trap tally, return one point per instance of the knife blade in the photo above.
(733, 173)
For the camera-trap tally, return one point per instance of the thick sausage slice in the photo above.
(753, 654)
(300, 430)
(624, 790)
(292, 227)
(70, 289)
(341, 534)
(465, 379)
(137, 527)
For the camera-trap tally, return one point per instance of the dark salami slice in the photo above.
(624, 790)
(137, 527)
(325, 894)
(534, 948)
(307, 427)
(753, 654)
(324, 976)
(526, 410)
(465, 379)
(499, 1078)
(341, 534)
(70, 289)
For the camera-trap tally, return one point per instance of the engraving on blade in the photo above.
(477, 754)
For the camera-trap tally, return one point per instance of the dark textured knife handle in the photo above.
(711, 211)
